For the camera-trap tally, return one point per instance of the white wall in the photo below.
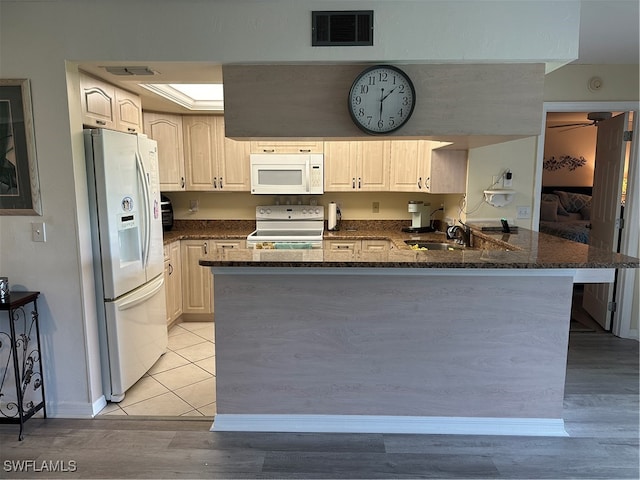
(38, 37)
(484, 163)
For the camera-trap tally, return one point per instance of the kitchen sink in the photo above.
(422, 245)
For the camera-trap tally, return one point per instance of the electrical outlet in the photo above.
(194, 205)
(38, 233)
(523, 212)
(375, 207)
(495, 179)
(507, 180)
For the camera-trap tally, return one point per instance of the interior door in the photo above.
(605, 209)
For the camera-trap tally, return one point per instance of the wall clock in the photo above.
(381, 99)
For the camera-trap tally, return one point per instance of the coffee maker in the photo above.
(420, 217)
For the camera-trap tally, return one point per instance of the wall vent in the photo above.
(342, 28)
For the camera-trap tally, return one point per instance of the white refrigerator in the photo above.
(126, 231)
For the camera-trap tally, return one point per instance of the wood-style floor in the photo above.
(601, 413)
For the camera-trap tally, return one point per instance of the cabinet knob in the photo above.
(353, 183)
(205, 246)
(181, 182)
(220, 183)
(215, 182)
(359, 182)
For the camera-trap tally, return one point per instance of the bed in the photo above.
(566, 212)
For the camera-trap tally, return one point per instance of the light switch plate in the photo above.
(523, 212)
(38, 233)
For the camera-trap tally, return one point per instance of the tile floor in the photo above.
(181, 383)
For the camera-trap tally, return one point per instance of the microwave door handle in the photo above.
(308, 167)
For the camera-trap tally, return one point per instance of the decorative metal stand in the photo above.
(22, 344)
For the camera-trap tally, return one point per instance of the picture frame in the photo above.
(19, 183)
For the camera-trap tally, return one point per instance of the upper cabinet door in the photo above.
(406, 172)
(340, 166)
(446, 171)
(233, 162)
(98, 103)
(107, 106)
(373, 165)
(128, 112)
(166, 129)
(200, 152)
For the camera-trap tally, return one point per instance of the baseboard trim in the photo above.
(99, 404)
(546, 427)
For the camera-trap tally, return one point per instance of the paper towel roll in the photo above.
(332, 222)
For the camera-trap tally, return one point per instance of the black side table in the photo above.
(22, 344)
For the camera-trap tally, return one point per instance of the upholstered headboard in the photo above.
(583, 190)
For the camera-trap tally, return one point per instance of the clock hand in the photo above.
(381, 99)
(390, 92)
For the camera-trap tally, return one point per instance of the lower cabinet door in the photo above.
(197, 281)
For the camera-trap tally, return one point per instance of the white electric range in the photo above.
(288, 227)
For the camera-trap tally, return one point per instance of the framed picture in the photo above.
(19, 185)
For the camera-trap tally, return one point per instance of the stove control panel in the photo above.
(290, 212)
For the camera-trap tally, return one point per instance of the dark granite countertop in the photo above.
(523, 250)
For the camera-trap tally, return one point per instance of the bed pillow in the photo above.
(549, 210)
(586, 213)
(573, 202)
(552, 197)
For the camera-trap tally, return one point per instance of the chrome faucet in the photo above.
(460, 234)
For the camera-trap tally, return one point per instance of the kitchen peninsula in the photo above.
(470, 341)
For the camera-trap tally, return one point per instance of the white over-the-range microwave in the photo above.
(287, 173)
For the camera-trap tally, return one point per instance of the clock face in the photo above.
(381, 99)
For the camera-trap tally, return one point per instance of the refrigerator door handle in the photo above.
(147, 222)
(155, 285)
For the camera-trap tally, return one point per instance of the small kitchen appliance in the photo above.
(420, 217)
(288, 227)
(167, 213)
(333, 217)
(287, 174)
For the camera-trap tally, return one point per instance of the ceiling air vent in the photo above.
(343, 28)
(130, 70)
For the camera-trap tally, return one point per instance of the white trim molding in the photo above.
(545, 427)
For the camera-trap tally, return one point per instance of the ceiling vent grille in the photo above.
(342, 28)
(130, 70)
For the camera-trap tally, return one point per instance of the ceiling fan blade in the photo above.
(583, 124)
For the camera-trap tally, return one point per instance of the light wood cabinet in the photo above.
(233, 167)
(446, 171)
(298, 146)
(166, 129)
(98, 100)
(348, 250)
(406, 167)
(212, 161)
(417, 167)
(341, 250)
(375, 250)
(128, 112)
(107, 106)
(356, 166)
(197, 281)
(173, 281)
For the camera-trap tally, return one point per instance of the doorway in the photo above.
(582, 165)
